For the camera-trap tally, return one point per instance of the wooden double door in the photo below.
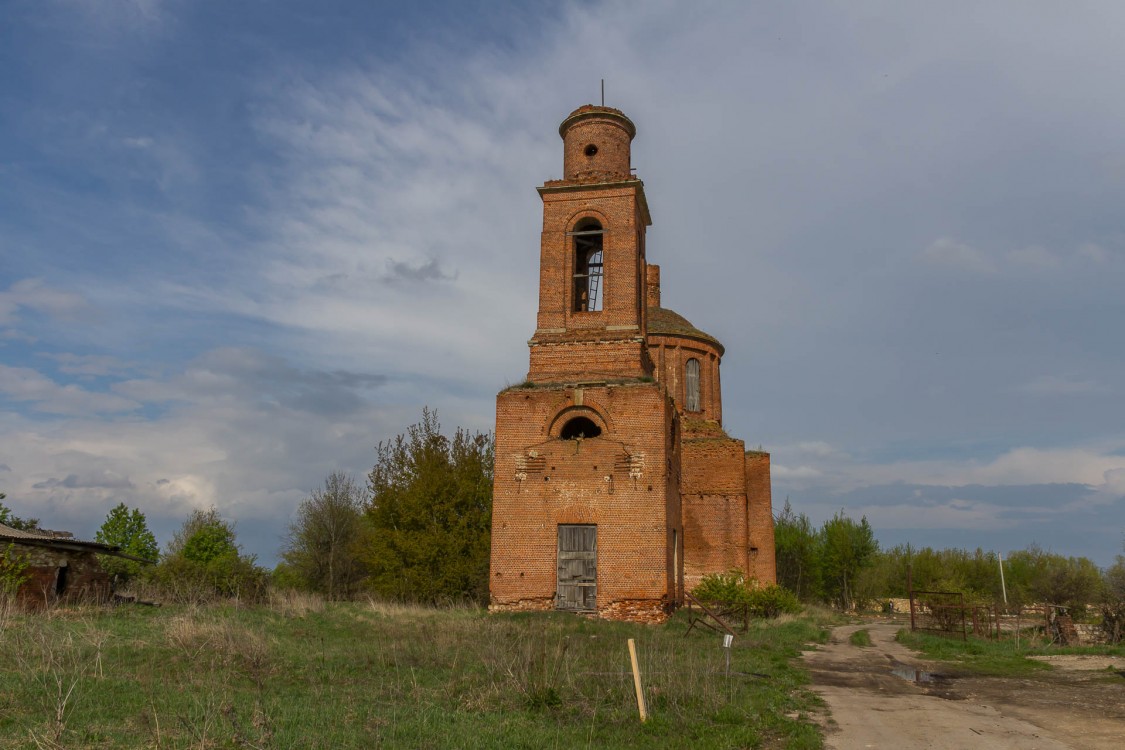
(577, 568)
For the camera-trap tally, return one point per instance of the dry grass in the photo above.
(291, 603)
(301, 671)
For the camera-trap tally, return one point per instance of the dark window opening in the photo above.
(588, 292)
(60, 580)
(691, 384)
(591, 150)
(580, 427)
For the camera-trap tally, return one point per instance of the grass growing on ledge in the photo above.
(299, 674)
(860, 638)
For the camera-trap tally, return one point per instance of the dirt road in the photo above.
(884, 696)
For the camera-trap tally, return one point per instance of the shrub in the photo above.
(204, 562)
(734, 590)
(728, 588)
(772, 600)
(13, 569)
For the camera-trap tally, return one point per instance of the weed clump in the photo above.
(734, 591)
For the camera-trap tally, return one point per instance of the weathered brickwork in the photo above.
(714, 500)
(54, 576)
(615, 486)
(618, 481)
(760, 499)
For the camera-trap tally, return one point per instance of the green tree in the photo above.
(1113, 601)
(322, 547)
(1035, 575)
(8, 518)
(13, 569)
(795, 542)
(975, 573)
(1115, 581)
(430, 514)
(13, 564)
(846, 549)
(129, 531)
(204, 561)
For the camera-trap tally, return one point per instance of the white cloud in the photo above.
(395, 236)
(1114, 484)
(27, 385)
(1088, 465)
(239, 429)
(10, 334)
(1093, 252)
(953, 254)
(953, 514)
(88, 364)
(783, 473)
(1056, 385)
(34, 294)
(1034, 256)
(820, 449)
(114, 15)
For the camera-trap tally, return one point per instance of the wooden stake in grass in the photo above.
(637, 681)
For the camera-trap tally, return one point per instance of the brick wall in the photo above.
(610, 133)
(671, 495)
(670, 355)
(83, 580)
(617, 208)
(759, 496)
(618, 481)
(714, 499)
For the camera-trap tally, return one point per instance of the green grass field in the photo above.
(999, 658)
(300, 674)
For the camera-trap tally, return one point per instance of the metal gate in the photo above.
(578, 568)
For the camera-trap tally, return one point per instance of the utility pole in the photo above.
(1003, 588)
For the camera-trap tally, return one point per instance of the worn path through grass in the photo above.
(888, 695)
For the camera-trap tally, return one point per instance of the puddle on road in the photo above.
(917, 676)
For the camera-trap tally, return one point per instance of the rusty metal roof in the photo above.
(41, 539)
(664, 322)
(9, 532)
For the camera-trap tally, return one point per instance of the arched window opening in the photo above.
(691, 384)
(580, 427)
(588, 288)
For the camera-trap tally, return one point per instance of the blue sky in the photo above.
(243, 242)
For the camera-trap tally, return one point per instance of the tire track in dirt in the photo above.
(870, 707)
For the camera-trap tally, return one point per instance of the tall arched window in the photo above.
(691, 384)
(588, 287)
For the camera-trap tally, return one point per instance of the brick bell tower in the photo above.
(586, 503)
(614, 480)
(592, 306)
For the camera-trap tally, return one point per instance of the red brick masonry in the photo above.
(672, 496)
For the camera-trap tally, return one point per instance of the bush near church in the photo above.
(734, 590)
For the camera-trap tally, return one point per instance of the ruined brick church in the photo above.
(616, 488)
